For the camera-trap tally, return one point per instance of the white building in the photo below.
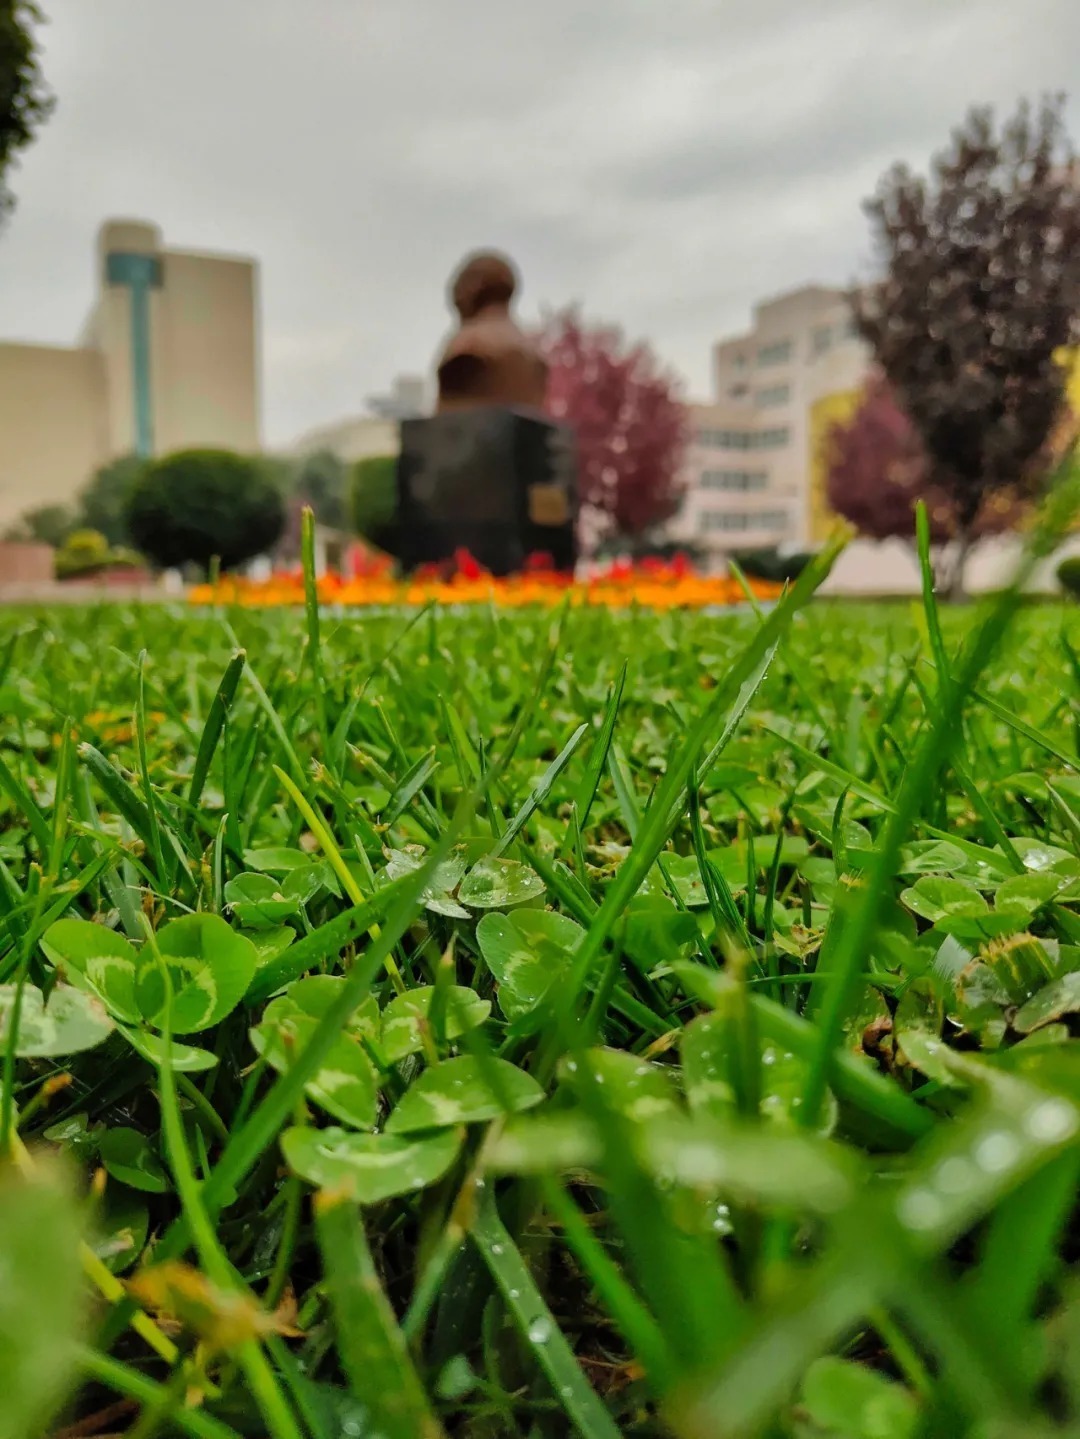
(749, 468)
(733, 499)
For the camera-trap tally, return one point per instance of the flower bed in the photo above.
(652, 584)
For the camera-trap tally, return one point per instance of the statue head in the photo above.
(484, 279)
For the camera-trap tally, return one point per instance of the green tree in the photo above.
(194, 505)
(48, 524)
(103, 503)
(374, 501)
(25, 102)
(322, 481)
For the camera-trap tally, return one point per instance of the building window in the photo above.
(737, 521)
(773, 395)
(821, 339)
(740, 362)
(774, 354)
(733, 480)
(771, 439)
(724, 439)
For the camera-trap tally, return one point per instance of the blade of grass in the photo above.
(537, 1324)
(931, 753)
(215, 720)
(372, 1348)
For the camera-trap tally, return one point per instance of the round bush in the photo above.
(195, 504)
(1068, 574)
(84, 552)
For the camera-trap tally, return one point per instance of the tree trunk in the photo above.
(954, 590)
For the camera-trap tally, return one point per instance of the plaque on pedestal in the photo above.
(498, 482)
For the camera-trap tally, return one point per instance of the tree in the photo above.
(25, 103)
(47, 524)
(103, 503)
(322, 481)
(195, 504)
(877, 469)
(981, 289)
(631, 425)
(374, 501)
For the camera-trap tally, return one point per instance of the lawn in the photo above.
(537, 1023)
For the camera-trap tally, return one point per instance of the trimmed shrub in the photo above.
(195, 504)
(1068, 576)
(83, 553)
(771, 565)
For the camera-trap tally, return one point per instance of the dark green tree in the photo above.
(25, 102)
(194, 505)
(103, 503)
(374, 501)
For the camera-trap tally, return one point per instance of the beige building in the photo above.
(749, 467)
(167, 359)
(360, 438)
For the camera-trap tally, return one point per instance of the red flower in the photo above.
(466, 566)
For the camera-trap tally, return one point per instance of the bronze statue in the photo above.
(489, 360)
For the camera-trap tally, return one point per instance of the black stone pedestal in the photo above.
(499, 483)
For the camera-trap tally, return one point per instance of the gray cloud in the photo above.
(665, 165)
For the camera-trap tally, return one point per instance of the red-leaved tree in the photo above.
(876, 470)
(631, 425)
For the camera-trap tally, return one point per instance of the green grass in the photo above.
(496, 1023)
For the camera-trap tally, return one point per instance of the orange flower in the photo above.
(653, 584)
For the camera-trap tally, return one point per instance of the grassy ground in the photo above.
(506, 1024)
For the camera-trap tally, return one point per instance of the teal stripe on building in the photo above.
(140, 274)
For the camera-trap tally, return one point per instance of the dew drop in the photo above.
(351, 1428)
(571, 1065)
(496, 1249)
(514, 1293)
(1051, 1121)
(920, 1209)
(566, 1391)
(539, 1331)
(996, 1151)
(722, 1223)
(953, 1175)
(768, 1056)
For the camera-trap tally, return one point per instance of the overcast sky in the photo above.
(664, 162)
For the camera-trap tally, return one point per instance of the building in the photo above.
(358, 438)
(733, 500)
(407, 400)
(362, 437)
(751, 461)
(779, 389)
(168, 358)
